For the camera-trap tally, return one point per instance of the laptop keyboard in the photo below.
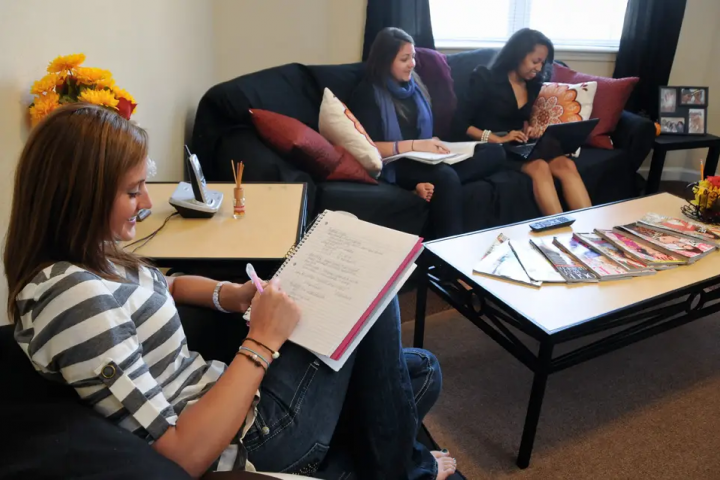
(524, 150)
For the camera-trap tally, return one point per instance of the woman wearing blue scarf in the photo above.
(394, 107)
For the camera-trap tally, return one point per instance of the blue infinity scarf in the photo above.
(389, 115)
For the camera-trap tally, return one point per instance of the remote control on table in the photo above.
(556, 222)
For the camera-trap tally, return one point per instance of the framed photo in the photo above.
(668, 100)
(673, 125)
(683, 110)
(697, 121)
(696, 96)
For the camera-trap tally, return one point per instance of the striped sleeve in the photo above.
(81, 331)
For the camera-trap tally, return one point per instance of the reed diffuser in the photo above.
(238, 192)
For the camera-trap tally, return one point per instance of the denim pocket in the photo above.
(277, 409)
(309, 462)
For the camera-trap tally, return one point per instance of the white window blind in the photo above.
(570, 24)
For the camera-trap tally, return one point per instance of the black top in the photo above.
(408, 123)
(362, 104)
(682, 142)
(491, 103)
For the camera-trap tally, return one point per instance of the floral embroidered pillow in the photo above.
(562, 103)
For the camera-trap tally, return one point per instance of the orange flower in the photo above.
(64, 63)
(46, 84)
(42, 106)
(91, 76)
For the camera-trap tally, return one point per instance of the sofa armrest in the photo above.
(636, 135)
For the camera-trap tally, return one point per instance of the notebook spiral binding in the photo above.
(294, 249)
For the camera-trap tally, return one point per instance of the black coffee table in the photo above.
(531, 322)
(667, 143)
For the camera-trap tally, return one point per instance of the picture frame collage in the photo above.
(683, 110)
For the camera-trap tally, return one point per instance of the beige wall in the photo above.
(158, 50)
(251, 35)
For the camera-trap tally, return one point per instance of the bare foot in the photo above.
(424, 190)
(440, 454)
(446, 465)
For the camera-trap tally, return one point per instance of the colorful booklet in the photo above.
(678, 245)
(640, 251)
(501, 262)
(603, 267)
(597, 243)
(570, 269)
(535, 264)
(681, 226)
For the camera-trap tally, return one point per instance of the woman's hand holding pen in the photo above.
(274, 316)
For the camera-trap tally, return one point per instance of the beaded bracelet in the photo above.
(254, 355)
(275, 353)
(252, 358)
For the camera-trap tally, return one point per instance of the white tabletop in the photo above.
(554, 308)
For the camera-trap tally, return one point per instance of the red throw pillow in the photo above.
(610, 99)
(307, 149)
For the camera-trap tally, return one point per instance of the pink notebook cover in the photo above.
(351, 335)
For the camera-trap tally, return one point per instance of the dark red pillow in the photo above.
(307, 149)
(610, 99)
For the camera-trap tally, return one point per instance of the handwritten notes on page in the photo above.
(337, 273)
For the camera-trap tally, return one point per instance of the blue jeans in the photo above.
(360, 422)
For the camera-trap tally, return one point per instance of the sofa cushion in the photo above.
(384, 204)
(610, 99)
(340, 127)
(307, 149)
(433, 69)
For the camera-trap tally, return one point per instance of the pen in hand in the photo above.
(250, 270)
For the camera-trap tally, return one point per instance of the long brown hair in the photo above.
(383, 51)
(65, 187)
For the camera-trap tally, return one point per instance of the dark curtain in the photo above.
(413, 16)
(647, 49)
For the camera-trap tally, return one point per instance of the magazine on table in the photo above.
(681, 226)
(597, 243)
(678, 245)
(571, 270)
(501, 262)
(640, 251)
(535, 264)
(498, 241)
(602, 266)
(459, 151)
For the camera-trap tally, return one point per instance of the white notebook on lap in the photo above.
(342, 275)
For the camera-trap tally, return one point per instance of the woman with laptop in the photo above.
(497, 110)
(104, 322)
(394, 108)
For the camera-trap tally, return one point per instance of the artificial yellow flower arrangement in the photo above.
(68, 82)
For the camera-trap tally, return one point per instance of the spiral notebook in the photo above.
(343, 274)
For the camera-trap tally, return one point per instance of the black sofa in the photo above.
(223, 131)
(48, 434)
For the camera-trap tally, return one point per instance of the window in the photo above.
(570, 24)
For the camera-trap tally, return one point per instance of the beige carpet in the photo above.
(648, 411)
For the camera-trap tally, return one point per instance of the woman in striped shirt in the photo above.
(105, 322)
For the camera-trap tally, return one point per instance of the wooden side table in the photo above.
(274, 222)
(666, 143)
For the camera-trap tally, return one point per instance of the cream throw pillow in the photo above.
(340, 127)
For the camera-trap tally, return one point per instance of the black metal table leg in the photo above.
(536, 399)
(656, 168)
(711, 161)
(421, 303)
